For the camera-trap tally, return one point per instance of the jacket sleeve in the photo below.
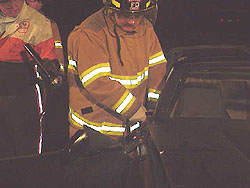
(45, 45)
(46, 49)
(157, 71)
(58, 46)
(88, 50)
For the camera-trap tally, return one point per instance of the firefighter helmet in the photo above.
(146, 7)
(130, 6)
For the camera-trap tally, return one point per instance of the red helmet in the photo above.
(130, 6)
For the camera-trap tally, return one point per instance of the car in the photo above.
(93, 161)
(202, 118)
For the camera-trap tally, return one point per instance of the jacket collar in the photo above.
(5, 21)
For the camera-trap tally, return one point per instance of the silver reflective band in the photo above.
(135, 126)
(102, 128)
(124, 103)
(39, 98)
(94, 73)
(172, 69)
(61, 67)
(41, 113)
(153, 95)
(156, 60)
(58, 44)
(37, 73)
(72, 62)
(131, 82)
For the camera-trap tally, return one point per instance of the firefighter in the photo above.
(21, 102)
(116, 67)
(117, 58)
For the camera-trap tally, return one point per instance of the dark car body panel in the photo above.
(202, 118)
(205, 153)
(99, 164)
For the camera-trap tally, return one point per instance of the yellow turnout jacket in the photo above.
(113, 68)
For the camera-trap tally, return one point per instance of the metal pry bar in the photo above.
(38, 62)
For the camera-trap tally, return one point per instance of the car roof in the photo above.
(208, 53)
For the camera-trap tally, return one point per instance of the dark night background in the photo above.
(179, 23)
(69, 13)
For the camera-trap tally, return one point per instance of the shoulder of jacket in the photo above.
(39, 26)
(95, 22)
(39, 19)
(93, 26)
(148, 25)
(35, 19)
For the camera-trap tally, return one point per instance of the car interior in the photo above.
(227, 99)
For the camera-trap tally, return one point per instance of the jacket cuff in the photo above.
(133, 109)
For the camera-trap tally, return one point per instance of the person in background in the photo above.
(55, 131)
(116, 67)
(21, 99)
(38, 5)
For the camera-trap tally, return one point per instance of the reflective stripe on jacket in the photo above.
(58, 46)
(120, 87)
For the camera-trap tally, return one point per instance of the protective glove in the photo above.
(51, 66)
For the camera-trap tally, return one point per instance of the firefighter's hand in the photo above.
(140, 115)
(51, 66)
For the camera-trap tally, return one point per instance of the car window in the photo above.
(211, 98)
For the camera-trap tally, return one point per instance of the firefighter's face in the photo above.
(127, 23)
(11, 8)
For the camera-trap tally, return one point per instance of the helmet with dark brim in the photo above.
(148, 8)
(130, 6)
